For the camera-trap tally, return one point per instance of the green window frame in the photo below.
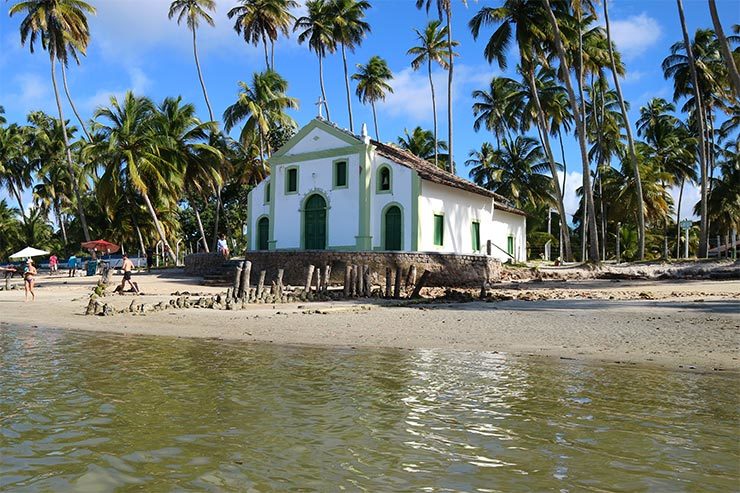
(439, 229)
(267, 193)
(475, 233)
(384, 179)
(291, 180)
(510, 245)
(340, 174)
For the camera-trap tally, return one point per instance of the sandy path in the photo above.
(689, 324)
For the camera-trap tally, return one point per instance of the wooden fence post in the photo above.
(368, 283)
(309, 278)
(420, 284)
(261, 283)
(397, 285)
(280, 282)
(327, 276)
(347, 280)
(388, 282)
(237, 281)
(246, 273)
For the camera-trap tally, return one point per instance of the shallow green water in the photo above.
(94, 412)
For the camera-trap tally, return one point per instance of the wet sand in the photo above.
(676, 324)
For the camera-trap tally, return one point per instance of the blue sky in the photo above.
(135, 46)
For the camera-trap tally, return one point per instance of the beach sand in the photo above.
(692, 325)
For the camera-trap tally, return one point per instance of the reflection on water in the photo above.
(83, 412)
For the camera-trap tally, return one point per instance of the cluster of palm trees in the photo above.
(142, 172)
(562, 49)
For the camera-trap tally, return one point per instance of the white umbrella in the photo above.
(29, 252)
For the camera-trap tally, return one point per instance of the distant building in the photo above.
(332, 190)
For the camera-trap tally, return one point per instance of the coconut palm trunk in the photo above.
(630, 139)
(200, 77)
(678, 220)
(450, 146)
(70, 165)
(346, 85)
(267, 58)
(375, 121)
(725, 49)
(72, 104)
(699, 108)
(62, 226)
(323, 90)
(200, 228)
(434, 112)
(594, 253)
(541, 120)
(158, 226)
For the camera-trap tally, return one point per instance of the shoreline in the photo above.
(680, 325)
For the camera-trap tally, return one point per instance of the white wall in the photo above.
(317, 140)
(505, 224)
(401, 185)
(259, 209)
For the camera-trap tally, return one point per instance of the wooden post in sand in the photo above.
(420, 284)
(388, 282)
(327, 276)
(368, 283)
(261, 283)
(347, 280)
(309, 278)
(279, 282)
(246, 274)
(317, 280)
(410, 278)
(237, 281)
(397, 285)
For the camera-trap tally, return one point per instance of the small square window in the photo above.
(439, 229)
(291, 181)
(340, 174)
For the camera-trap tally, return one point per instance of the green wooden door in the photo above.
(263, 233)
(314, 226)
(393, 228)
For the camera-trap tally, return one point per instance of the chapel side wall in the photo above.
(401, 187)
(460, 209)
(505, 224)
(257, 208)
(316, 176)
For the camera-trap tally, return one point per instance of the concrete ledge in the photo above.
(448, 270)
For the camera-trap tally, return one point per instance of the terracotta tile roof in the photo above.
(432, 173)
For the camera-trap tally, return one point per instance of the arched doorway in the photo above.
(263, 233)
(314, 223)
(393, 229)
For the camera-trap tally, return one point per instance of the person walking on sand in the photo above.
(127, 268)
(28, 279)
(53, 262)
(222, 246)
(72, 265)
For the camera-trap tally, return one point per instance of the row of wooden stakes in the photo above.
(358, 282)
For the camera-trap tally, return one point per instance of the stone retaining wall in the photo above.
(447, 270)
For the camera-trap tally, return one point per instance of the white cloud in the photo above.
(139, 84)
(634, 35)
(571, 200)
(691, 196)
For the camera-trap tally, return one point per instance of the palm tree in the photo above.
(263, 20)
(421, 143)
(594, 253)
(61, 26)
(193, 11)
(530, 34)
(348, 29)
(432, 48)
(262, 104)
(188, 150)
(498, 108)
(445, 7)
(703, 226)
(372, 84)
(630, 140)
(317, 30)
(514, 171)
(3, 121)
(135, 164)
(15, 169)
(724, 199)
(725, 49)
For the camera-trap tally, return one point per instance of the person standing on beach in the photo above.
(72, 265)
(53, 262)
(28, 279)
(127, 268)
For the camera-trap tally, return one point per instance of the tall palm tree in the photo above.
(432, 48)
(422, 143)
(630, 139)
(3, 121)
(514, 171)
(58, 25)
(262, 104)
(372, 84)
(523, 21)
(498, 108)
(133, 144)
(725, 49)
(316, 28)
(594, 253)
(348, 29)
(193, 11)
(445, 7)
(262, 21)
(15, 169)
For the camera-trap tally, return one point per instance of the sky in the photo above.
(134, 46)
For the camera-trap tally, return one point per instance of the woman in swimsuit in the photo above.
(28, 274)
